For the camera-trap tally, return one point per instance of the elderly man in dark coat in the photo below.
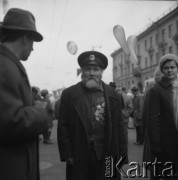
(20, 121)
(90, 125)
(162, 121)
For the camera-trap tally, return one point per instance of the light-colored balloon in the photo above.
(72, 47)
(132, 44)
(119, 34)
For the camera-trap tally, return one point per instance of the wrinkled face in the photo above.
(170, 70)
(27, 47)
(91, 76)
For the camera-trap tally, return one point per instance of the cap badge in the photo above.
(92, 57)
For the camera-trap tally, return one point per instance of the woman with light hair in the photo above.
(161, 114)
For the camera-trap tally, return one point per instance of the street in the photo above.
(51, 168)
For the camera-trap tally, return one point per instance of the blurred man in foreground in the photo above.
(20, 121)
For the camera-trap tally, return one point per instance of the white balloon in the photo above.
(119, 34)
(132, 43)
(72, 47)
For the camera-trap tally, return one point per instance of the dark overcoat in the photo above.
(146, 148)
(163, 135)
(20, 122)
(73, 140)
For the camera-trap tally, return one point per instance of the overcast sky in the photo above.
(87, 22)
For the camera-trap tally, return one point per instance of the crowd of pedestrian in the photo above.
(92, 116)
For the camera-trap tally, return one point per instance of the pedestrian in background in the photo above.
(137, 114)
(90, 124)
(162, 121)
(50, 112)
(20, 121)
(113, 84)
(35, 94)
(56, 108)
(127, 110)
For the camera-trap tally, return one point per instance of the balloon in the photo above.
(119, 34)
(72, 47)
(132, 43)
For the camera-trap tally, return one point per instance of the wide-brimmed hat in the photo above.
(22, 20)
(167, 57)
(93, 58)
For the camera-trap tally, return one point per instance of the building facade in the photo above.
(158, 39)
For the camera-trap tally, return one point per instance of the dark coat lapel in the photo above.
(108, 116)
(79, 104)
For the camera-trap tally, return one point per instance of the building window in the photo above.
(151, 41)
(118, 62)
(121, 57)
(139, 61)
(121, 72)
(177, 26)
(132, 67)
(163, 34)
(163, 52)
(138, 47)
(170, 49)
(156, 38)
(157, 58)
(170, 30)
(145, 44)
(146, 62)
(128, 84)
(128, 68)
(151, 61)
